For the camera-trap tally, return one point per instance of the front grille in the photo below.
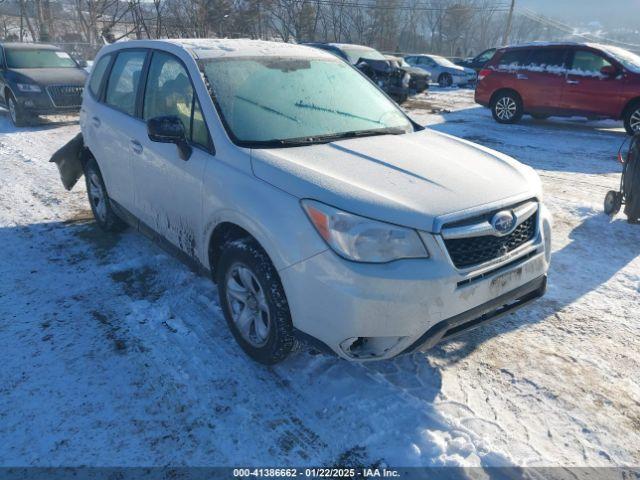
(65, 96)
(467, 252)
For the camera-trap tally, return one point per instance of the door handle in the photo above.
(573, 82)
(95, 121)
(521, 76)
(136, 146)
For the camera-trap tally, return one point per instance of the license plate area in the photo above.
(506, 281)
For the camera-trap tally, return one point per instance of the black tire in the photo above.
(540, 116)
(276, 341)
(612, 202)
(506, 108)
(99, 200)
(632, 119)
(445, 80)
(18, 116)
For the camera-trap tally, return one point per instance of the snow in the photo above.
(225, 47)
(114, 353)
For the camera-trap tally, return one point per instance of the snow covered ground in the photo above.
(114, 353)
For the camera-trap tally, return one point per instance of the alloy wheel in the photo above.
(506, 108)
(12, 110)
(635, 121)
(97, 196)
(248, 305)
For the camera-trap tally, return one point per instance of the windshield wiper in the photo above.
(332, 137)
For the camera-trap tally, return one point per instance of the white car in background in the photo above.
(319, 208)
(443, 70)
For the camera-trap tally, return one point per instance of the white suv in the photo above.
(319, 208)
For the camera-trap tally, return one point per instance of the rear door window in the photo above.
(124, 80)
(97, 74)
(514, 59)
(551, 60)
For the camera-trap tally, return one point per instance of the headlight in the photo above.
(28, 87)
(361, 239)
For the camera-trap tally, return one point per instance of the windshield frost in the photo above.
(21, 58)
(275, 98)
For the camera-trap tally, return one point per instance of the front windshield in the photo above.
(630, 60)
(38, 58)
(270, 99)
(444, 62)
(356, 53)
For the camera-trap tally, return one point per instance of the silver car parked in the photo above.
(445, 72)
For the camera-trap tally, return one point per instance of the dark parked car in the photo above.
(392, 80)
(564, 79)
(419, 78)
(479, 61)
(39, 80)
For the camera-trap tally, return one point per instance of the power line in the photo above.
(530, 14)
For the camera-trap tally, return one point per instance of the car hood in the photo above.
(52, 76)
(407, 179)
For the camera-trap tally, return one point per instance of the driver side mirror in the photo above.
(82, 63)
(169, 129)
(609, 71)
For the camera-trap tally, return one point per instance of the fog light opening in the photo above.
(364, 348)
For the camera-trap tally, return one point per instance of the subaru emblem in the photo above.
(503, 222)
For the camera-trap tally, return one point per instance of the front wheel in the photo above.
(507, 108)
(612, 202)
(18, 116)
(632, 120)
(253, 301)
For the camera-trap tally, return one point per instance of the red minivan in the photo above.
(565, 79)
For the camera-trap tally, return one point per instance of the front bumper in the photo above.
(40, 103)
(378, 311)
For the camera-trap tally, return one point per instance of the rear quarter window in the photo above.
(97, 74)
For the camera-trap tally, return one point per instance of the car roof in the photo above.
(555, 44)
(350, 45)
(27, 46)
(204, 48)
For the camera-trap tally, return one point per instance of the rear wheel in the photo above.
(253, 301)
(101, 207)
(632, 120)
(506, 108)
(445, 80)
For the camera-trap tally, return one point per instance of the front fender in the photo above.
(273, 217)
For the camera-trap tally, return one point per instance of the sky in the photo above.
(608, 12)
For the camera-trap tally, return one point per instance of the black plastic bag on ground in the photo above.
(631, 182)
(69, 161)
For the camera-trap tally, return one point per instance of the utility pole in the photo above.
(507, 31)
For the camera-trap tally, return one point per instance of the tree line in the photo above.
(447, 27)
